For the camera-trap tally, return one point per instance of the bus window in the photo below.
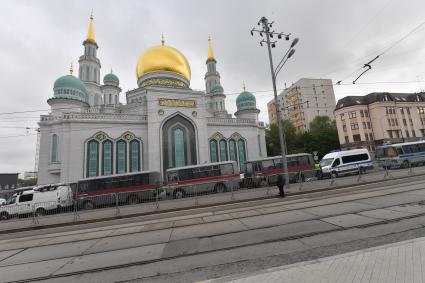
(278, 163)
(226, 169)
(268, 164)
(336, 162)
(303, 160)
(185, 174)
(292, 162)
(355, 158)
(215, 170)
(172, 177)
(421, 146)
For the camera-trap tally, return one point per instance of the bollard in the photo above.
(157, 199)
(117, 204)
(410, 172)
(34, 217)
(332, 179)
(359, 171)
(300, 180)
(268, 187)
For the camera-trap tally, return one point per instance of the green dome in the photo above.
(110, 78)
(70, 81)
(217, 88)
(70, 87)
(246, 101)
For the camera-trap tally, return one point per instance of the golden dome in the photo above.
(163, 58)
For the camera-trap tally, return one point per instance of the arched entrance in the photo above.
(178, 143)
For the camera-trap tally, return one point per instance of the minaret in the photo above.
(89, 70)
(213, 88)
(212, 77)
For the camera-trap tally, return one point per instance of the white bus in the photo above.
(401, 155)
(346, 162)
(210, 177)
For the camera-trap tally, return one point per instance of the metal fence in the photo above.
(168, 197)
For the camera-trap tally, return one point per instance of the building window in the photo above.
(408, 110)
(371, 136)
(92, 158)
(96, 100)
(134, 156)
(404, 122)
(368, 125)
(346, 139)
(213, 151)
(179, 147)
(356, 138)
(413, 134)
(364, 125)
(366, 113)
(411, 122)
(390, 134)
(407, 134)
(223, 150)
(121, 157)
(344, 128)
(107, 157)
(242, 155)
(352, 114)
(54, 153)
(361, 113)
(354, 126)
(232, 150)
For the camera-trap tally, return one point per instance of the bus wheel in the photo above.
(179, 193)
(131, 200)
(88, 205)
(4, 216)
(219, 188)
(40, 212)
(405, 164)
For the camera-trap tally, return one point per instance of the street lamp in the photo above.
(266, 29)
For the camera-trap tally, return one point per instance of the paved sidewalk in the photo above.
(398, 262)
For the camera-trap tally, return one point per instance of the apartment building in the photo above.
(377, 118)
(303, 101)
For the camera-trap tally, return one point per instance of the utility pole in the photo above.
(266, 29)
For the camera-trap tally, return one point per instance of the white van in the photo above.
(38, 200)
(346, 162)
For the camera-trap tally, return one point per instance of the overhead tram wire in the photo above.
(184, 97)
(368, 65)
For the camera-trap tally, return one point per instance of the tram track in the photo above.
(145, 262)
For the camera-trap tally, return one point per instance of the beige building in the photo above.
(303, 101)
(376, 118)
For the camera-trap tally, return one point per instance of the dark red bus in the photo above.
(130, 188)
(265, 172)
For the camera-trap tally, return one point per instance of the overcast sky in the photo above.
(39, 39)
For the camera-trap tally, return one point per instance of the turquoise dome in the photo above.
(217, 88)
(111, 78)
(70, 87)
(246, 101)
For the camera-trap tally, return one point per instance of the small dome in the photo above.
(70, 87)
(246, 101)
(163, 58)
(217, 88)
(111, 78)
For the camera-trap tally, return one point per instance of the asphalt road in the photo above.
(199, 244)
(207, 200)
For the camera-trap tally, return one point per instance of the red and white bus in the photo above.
(130, 188)
(210, 177)
(267, 171)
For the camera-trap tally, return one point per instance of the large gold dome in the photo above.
(163, 58)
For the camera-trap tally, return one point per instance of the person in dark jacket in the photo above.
(280, 185)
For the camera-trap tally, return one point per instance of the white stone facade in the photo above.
(66, 132)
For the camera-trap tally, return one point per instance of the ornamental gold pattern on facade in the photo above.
(177, 102)
(164, 82)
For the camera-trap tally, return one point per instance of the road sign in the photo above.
(315, 157)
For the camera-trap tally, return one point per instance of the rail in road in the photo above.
(108, 213)
(171, 249)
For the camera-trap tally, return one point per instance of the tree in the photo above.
(322, 137)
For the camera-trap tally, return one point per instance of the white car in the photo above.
(39, 200)
(346, 162)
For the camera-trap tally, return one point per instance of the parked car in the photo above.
(38, 200)
(339, 163)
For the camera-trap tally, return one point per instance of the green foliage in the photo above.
(322, 137)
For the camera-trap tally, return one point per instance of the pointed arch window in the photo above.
(92, 158)
(242, 154)
(232, 150)
(134, 156)
(96, 100)
(179, 147)
(121, 157)
(223, 150)
(54, 153)
(107, 157)
(213, 151)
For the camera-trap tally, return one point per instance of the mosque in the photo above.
(163, 124)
